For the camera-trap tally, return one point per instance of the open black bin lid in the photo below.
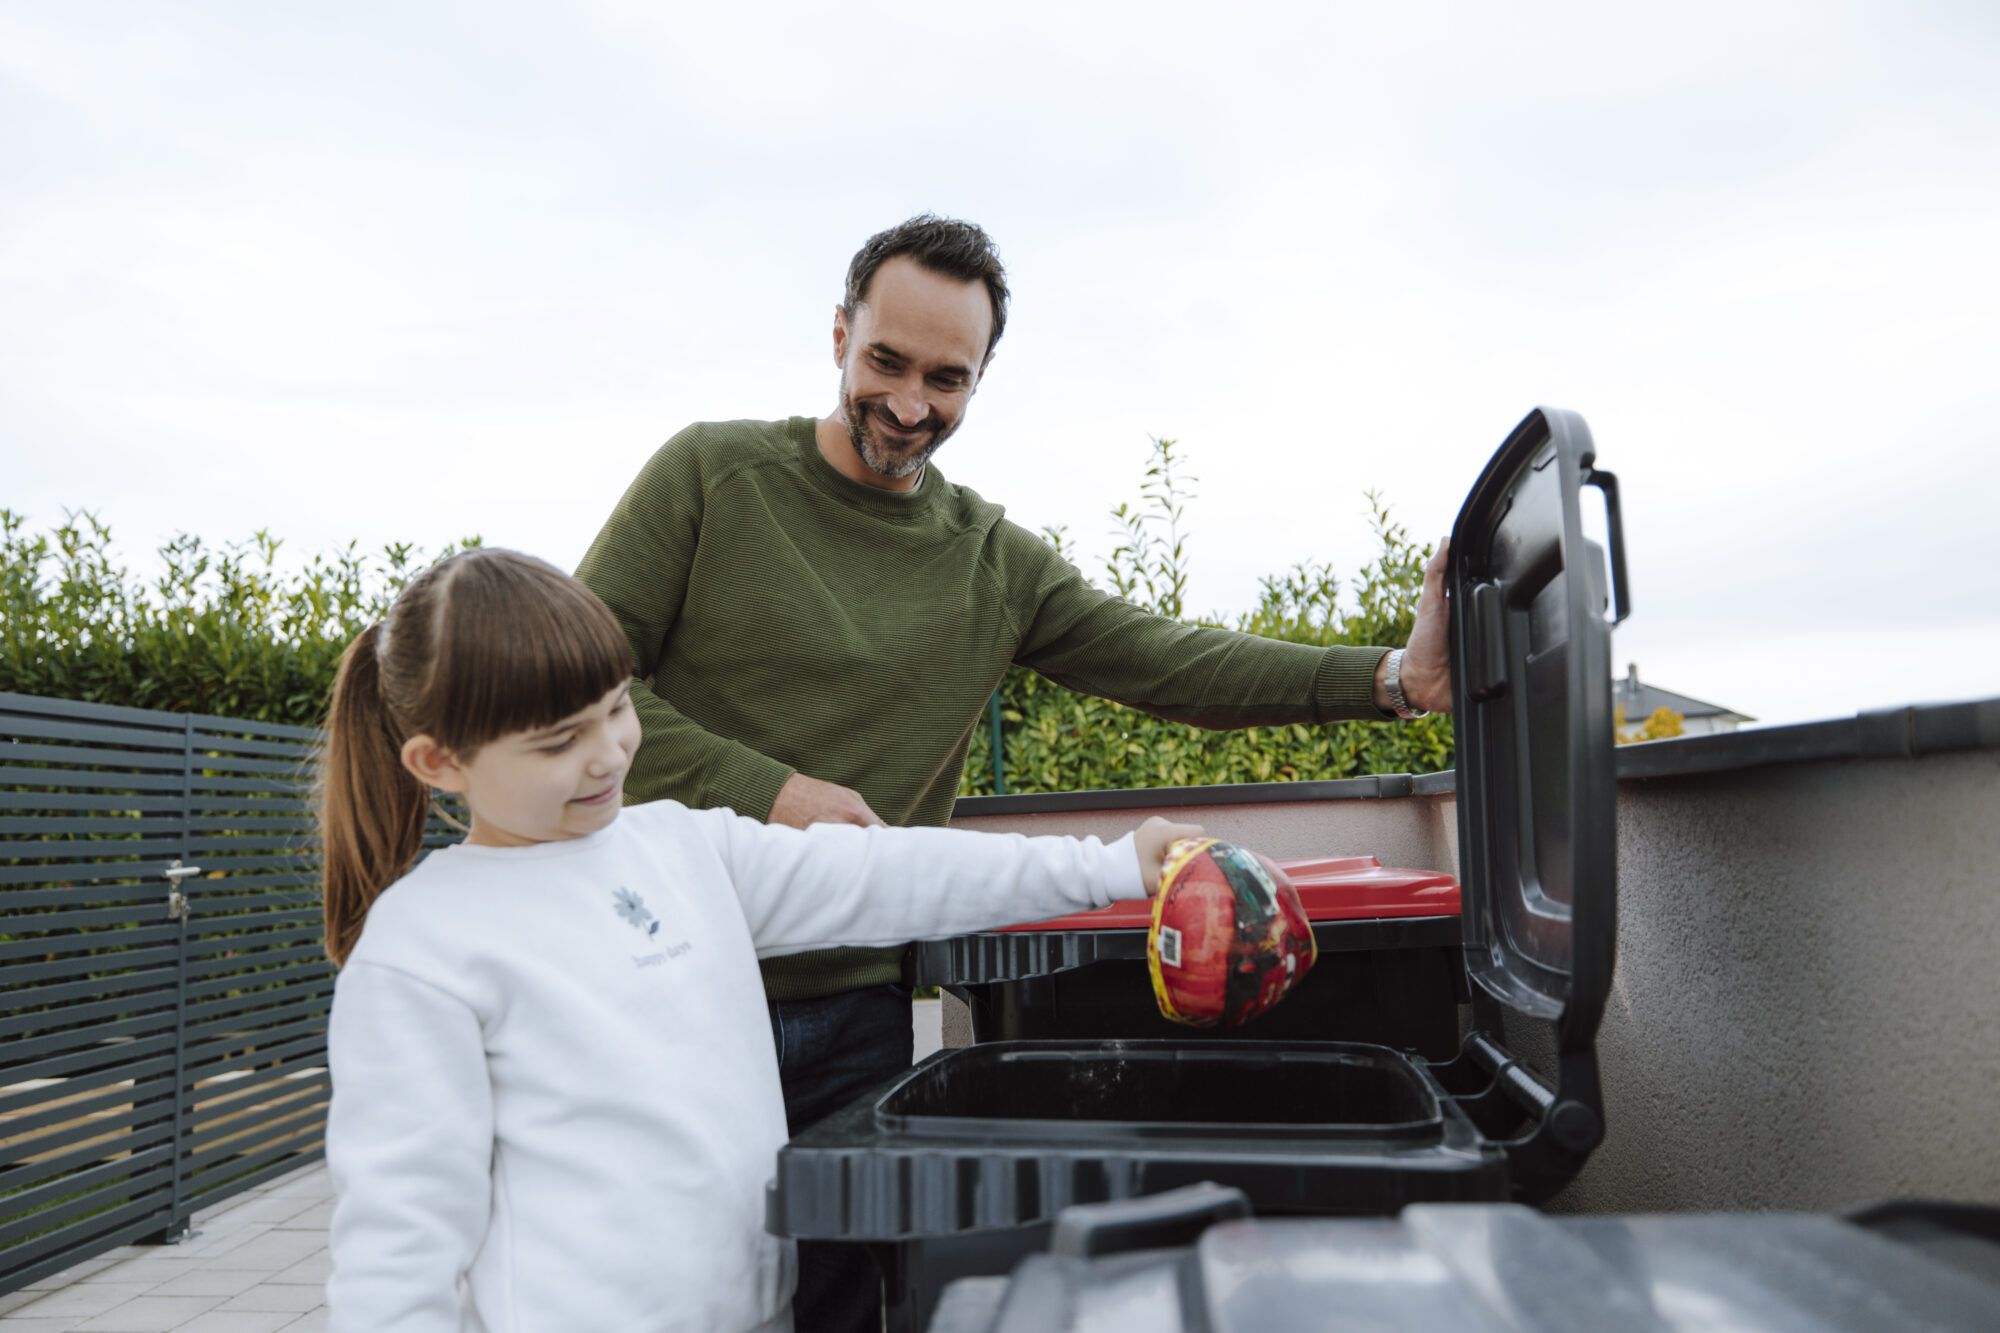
(1537, 794)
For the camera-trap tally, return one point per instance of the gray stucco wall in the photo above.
(1804, 1010)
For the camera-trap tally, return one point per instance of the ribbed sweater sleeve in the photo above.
(839, 884)
(640, 566)
(1090, 641)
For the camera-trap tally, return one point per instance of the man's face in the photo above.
(910, 355)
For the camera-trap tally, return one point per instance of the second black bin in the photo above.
(1389, 970)
(959, 1166)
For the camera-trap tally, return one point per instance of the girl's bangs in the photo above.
(522, 646)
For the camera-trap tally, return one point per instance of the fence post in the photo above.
(178, 911)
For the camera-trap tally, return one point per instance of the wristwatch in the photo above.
(1392, 681)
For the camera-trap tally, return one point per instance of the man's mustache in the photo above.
(930, 423)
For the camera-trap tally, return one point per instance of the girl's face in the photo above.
(558, 782)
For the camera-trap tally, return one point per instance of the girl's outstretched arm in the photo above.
(841, 884)
(409, 1141)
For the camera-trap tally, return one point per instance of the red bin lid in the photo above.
(1331, 888)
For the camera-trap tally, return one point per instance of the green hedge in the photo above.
(218, 631)
(1056, 740)
(225, 631)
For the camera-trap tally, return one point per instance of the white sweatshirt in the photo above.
(553, 1070)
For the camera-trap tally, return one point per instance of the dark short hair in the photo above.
(945, 246)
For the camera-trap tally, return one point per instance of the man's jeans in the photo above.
(830, 1051)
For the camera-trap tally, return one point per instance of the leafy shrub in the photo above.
(1056, 740)
(219, 631)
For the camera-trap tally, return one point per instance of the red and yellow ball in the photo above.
(1229, 936)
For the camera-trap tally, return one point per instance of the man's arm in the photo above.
(1090, 641)
(639, 566)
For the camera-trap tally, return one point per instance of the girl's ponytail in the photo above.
(372, 810)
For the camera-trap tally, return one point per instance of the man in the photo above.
(818, 618)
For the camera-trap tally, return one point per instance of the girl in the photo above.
(556, 1101)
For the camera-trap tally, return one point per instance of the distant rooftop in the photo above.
(1640, 701)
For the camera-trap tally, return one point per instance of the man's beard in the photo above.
(882, 458)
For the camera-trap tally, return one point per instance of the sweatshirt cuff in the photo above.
(1118, 874)
(1344, 687)
(747, 782)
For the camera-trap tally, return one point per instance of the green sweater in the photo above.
(785, 618)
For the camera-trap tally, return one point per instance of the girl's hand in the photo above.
(1152, 839)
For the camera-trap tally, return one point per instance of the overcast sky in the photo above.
(403, 272)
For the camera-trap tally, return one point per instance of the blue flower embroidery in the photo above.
(633, 910)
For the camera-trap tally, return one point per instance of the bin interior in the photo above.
(1167, 1090)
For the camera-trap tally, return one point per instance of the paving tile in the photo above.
(291, 1298)
(150, 1314)
(300, 1207)
(208, 1282)
(14, 1300)
(180, 1252)
(254, 1263)
(83, 1300)
(272, 1250)
(209, 1232)
(148, 1272)
(314, 1217)
(238, 1321)
(229, 1214)
(262, 1208)
(227, 1242)
(82, 1269)
(314, 1184)
(312, 1271)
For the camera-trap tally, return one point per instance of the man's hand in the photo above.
(803, 800)
(1427, 659)
(1152, 839)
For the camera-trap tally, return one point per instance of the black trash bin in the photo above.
(1194, 1259)
(959, 1166)
(1389, 970)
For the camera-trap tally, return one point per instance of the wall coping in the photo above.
(1907, 732)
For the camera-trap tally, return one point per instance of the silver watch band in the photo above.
(1392, 682)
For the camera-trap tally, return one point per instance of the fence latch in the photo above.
(177, 902)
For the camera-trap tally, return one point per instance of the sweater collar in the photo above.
(589, 842)
(911, 504)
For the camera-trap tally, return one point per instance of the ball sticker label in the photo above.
(1170, 946)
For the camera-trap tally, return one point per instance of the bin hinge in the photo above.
(177, 902)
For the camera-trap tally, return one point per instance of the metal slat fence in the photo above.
(163, 991)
